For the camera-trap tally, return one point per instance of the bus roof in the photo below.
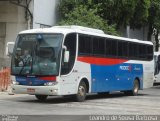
(79, 29)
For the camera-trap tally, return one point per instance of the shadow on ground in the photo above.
(69, 99)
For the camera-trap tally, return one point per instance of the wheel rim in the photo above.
(136, 87)
(81, 91)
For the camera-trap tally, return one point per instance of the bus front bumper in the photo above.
(35, 90)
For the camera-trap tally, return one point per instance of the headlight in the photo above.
(50, 83)
(15, 83)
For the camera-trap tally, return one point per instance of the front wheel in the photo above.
(41, 97)
(81, 94)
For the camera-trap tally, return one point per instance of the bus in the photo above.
(75, 60)
(157, 68)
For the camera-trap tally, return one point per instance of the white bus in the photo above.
(157, 68)
(75, 60)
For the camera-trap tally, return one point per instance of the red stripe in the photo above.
(48, 78)
(101, 61)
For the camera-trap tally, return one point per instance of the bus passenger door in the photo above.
(68, 77)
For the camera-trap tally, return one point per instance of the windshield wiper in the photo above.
(25, 63)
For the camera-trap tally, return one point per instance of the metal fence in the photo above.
(5, 79)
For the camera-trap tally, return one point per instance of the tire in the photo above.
(41, 98)
(134, 91)
(81, 94)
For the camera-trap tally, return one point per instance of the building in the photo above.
(140, 34)
(18, 15)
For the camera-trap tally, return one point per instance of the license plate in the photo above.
(30, 90)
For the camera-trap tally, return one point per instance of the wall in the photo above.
(140, 34)
(12, 21)
(44, 13)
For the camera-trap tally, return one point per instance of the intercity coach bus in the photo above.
(75, 60)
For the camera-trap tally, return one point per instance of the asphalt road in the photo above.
(146, 103)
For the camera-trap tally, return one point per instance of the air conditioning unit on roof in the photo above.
(87, 29)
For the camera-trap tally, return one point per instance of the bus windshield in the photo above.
(37, 54)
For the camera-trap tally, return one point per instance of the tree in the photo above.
(135, 13)
(81, 13)
(141, 13)
(121, 13)
(124, 12)
(118, 12)
(154, 21)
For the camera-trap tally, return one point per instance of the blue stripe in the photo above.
(116, 77)
(30, 81)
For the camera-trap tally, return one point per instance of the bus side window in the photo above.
(70, 43)
(85, 48)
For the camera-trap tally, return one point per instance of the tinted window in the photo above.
(142, 51)
(98, 46)
(111, 47)
(149, 52)
(85, 45)
(122, 49)
(133, 50)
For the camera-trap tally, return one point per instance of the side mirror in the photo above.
(9, 48)
(66, 54)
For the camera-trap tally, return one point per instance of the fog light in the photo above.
(55, 91)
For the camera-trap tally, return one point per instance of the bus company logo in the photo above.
(126, 68)
(29, 81)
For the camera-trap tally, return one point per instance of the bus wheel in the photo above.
(135, 89)
(81, 94)
(41, 97)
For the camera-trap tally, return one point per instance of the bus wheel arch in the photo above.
(138, 81)
(83, 88)
(85, 80)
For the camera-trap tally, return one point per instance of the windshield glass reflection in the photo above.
(37, 54)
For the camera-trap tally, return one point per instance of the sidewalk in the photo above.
(3, 92)
(7, 92)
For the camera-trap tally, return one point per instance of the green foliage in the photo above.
(141, 13)
(154, 14)
(154, 21)
(117, 12)
(124, 12)
(110, 15)
(81, 13)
